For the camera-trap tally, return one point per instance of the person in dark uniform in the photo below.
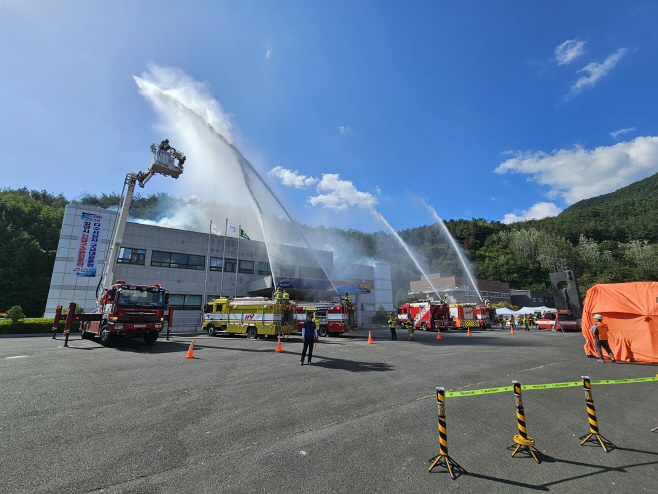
(309, 336)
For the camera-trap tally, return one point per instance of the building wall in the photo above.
(530, 298)
(65, 287)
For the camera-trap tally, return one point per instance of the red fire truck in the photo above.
(427, 315)
(564, 320)
(334, 319)
(464, 315)
(486, 316)
(129, 311)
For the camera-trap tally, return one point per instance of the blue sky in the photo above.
(495, 110)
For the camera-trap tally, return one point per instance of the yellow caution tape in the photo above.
(454, 394)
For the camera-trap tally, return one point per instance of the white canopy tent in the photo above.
(504, 311)
(532, 310)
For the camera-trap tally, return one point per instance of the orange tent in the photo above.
(631, 312)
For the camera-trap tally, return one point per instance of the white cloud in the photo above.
(536, 212)
(597, 70)
(343, 129)
(339, 194)
(291, 178)
(568, 51)
(621, 131)
(268, 53)
(580, 173)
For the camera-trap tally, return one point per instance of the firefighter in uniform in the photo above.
(316, 321)
(392, 322)
(286, 296)
(347, 299)
(164, 145)
(410, 327)
(526, 322)
(278, 295)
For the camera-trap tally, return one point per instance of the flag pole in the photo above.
(237, 261)
(207, 263)
(221, 286)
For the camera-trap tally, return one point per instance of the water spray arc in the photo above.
(246, 167)
(455, 247)
(377, 215)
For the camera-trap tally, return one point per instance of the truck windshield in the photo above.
(566, 317)
(140, 298)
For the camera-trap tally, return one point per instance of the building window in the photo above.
(484, 293)
(185, 302)
(173, 260)
(533, 299)
(216, 264)
(131, 256)
(504, 295)
(246, 267)
(264, 269)
(286, 271)
(311, 273)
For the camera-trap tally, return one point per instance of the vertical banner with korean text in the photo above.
(89, 244)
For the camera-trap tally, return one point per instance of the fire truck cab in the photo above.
(560, 319)
(334, 319)
(427, 315)
(129, 311)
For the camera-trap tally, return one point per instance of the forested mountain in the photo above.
(610, 238)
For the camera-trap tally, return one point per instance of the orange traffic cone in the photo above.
(190, 352)
(511, 331)
(278, 347)
(469, 332)
(370, 342)
(438, 336)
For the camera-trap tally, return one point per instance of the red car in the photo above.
(564, 319)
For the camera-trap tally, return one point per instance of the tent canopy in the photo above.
(532, 310)
(631, 312)
(504, 311)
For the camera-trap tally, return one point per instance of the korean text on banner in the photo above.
(91, 231)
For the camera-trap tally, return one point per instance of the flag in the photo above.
(243, 234)
(214, 229)
(230, 227)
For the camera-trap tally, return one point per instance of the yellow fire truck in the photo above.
(253, 316)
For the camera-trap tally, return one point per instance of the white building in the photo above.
(193, 268)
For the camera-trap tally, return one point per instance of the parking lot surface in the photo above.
(241, 418)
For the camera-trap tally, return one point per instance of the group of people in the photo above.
(526, 320)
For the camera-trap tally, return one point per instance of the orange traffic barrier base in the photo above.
(469, 332)
(190, 352)
(438, 335)
(511, 331)
(278, 347)
(370, 342)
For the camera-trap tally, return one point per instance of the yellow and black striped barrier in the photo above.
(504, 389)
(591, 415)
(522, 439)
(443, 437)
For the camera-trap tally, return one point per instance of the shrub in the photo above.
(381, 316)
(16, 313)
(33, 326)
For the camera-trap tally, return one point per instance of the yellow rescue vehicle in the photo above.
(253, 316)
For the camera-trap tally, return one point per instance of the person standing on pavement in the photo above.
(410, 327)
(525, 321)
(392, 322)
(309, 336)
(600, 331)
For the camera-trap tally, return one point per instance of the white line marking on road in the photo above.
(19, 356)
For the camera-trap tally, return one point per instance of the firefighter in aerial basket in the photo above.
(347, 299)
(410, 327)
(278, 295)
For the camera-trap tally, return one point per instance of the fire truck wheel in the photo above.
(106, 337)
(423, 326)
(252, 333)
(211, 330)
(150, 337)
(324, 332)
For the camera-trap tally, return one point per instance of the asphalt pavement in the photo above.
(241, 418)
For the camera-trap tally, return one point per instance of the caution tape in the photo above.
(454, 394)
